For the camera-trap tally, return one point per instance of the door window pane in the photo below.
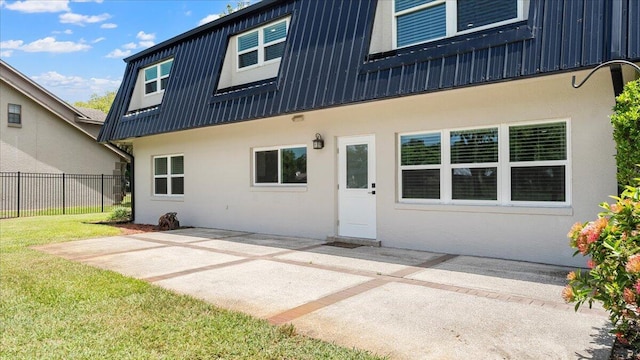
(357, 166)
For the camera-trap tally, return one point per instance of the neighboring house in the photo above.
(40, 133)
(448, 126)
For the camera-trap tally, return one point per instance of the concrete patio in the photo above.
(399, 303)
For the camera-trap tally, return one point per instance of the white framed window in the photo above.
(281, 165)
(168, 175)
(262, 45)
(419, 21)
(509, 164)
(156, 77)
(14, 114)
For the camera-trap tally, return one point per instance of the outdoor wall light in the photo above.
(318, 142)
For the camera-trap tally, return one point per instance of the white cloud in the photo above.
(73, 88)
(50, 44)
(146, 44)
(118, 54)
(6, 53)
(85, 1)
(11, 44)
(108, 26)
(38, 6)
(81, 20)
(208, 18)
(145, 37)
(66, 32)
(95, 41)
(130, 46)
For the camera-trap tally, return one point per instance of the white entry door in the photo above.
(357, 187)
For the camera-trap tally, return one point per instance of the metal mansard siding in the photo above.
(326, 61)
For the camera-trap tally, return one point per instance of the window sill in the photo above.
(14, 125)
(488, 209)
(448, 46)
(279, 188)
(174, 198)
(244, 90)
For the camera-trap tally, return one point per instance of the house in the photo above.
(40, 133)
(447, 126)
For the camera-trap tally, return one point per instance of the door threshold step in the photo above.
(353, 240)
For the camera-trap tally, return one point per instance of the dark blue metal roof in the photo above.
(326, 61)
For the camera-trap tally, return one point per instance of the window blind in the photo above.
(541, 142)
(476, 13)
(421, 25)
(248, 41)
(275, 32)
(474, 146)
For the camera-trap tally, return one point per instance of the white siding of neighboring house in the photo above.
(46, 143)
(218, 170)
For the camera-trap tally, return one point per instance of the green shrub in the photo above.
(613, 244)
(120, 214)
(626, 133)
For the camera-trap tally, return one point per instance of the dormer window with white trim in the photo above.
(254, 55)
(151, 82)
(419, 21)
(156, 77)
(262, 45)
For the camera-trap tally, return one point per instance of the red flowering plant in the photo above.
(612, 243)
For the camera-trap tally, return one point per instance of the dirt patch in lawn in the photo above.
(130, 228)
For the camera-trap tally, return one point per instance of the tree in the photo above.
(239, 5)
(626, 133)
(98, 102)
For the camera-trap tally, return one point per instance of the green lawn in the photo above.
(51, 308)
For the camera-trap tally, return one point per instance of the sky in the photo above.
(75, 48)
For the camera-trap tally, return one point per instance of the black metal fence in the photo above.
(34, 194)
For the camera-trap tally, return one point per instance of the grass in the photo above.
(51, 308)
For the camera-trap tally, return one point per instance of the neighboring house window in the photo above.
(262, 45)
(280, 165)
(418, 21)
(168, 175)
(156, 77)
(15, 114)
(528, 164)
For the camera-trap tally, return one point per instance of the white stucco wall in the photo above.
(218, 169)
(46, 143)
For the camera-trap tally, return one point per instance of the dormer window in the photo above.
(156, 77)
(262, 45)
(254, 55)
(419, 21)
